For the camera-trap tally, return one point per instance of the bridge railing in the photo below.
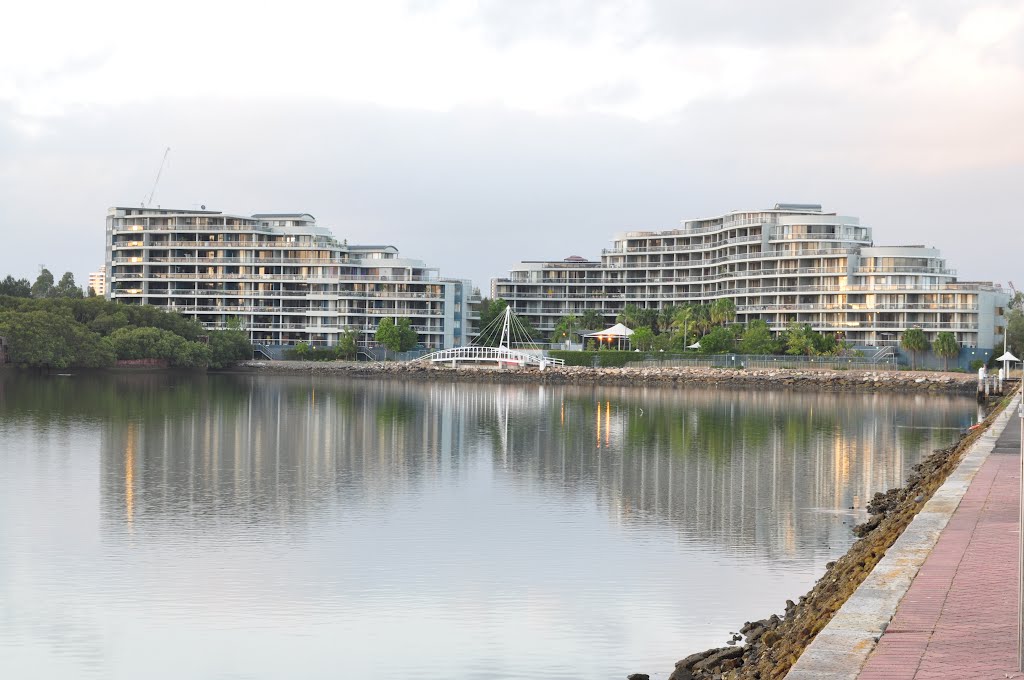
(499, 355)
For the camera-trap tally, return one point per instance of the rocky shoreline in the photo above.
(818, 379)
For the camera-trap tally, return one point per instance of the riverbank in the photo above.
(767, 649)
(819, 379)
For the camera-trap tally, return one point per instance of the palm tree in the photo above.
(702, 318)
(946, 347)
(723, 310)
(681, 321)
(565, 327)
(631, 315)
(665, 317)
(591, 320)
(914, 341)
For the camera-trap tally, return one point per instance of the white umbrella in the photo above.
(695, 345)
(1006, 359)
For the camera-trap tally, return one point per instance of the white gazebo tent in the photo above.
(616, 333)
(1007, 359)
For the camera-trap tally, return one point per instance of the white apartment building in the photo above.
(285, 278)
(98, 281)
(791, 263)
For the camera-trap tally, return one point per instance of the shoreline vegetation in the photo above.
(72, 333)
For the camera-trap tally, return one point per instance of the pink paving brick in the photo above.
(958, 621)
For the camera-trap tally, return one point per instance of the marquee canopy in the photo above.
(616, 331)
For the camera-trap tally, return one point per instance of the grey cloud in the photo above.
(474, 191)
(735, 22)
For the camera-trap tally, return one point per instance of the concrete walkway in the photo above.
(959, 617)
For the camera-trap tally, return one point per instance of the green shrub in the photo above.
(611, 358)
(573, 358)
(227, 347)
(156, 343)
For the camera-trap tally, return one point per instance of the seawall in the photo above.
(846, 380)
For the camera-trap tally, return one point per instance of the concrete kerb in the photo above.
(840, 650)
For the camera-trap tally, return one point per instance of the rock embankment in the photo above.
(667, 376)
(768, 648)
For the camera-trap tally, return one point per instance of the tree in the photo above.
(229, 346)
(630, 316)
(43, 287)
(722, 311)
(757, 339)
(67, 288)
(348, 344)
(490, 310)
(635, 317)
(49, 339)
(407, 337)
(914, 341)
(105, 323)
(682, 320)
(156, 343)
(1015, 332)
(565, 328)
(701, 319)
(642, 338)
(800, 340)
(666, 315)
(591, 320)
(946, 347)
(387, 334)
(825, 344)
(719, 341)
(398, 337)
(12, 287)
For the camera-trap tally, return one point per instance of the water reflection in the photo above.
(280, 527)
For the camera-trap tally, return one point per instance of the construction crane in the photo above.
(149, 201)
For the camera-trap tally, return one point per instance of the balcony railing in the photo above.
(681, 248)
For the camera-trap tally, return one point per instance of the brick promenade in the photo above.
(958, 621)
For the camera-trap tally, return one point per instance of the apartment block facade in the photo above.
(98, 281)
(790, 263)
(285, 278)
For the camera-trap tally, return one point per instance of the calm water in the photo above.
(265, 527)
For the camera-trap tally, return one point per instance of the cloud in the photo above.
(475, 190)
(474, 136)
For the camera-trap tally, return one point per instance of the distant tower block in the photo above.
(98, 281)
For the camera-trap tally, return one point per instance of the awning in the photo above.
(616, 331)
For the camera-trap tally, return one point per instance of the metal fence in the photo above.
(768, 361)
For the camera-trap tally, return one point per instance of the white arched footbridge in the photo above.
(502, 355)
(498, 355)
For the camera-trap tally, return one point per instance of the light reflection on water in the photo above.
(270, 527)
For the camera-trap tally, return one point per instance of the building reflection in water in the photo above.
(745, 472)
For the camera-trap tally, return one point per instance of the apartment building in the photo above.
(98, 281)
(790, 263)
(285, 278)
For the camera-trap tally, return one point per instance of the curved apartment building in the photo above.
(791, 263)
(287, 279)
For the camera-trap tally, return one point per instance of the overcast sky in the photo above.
(474, 135)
